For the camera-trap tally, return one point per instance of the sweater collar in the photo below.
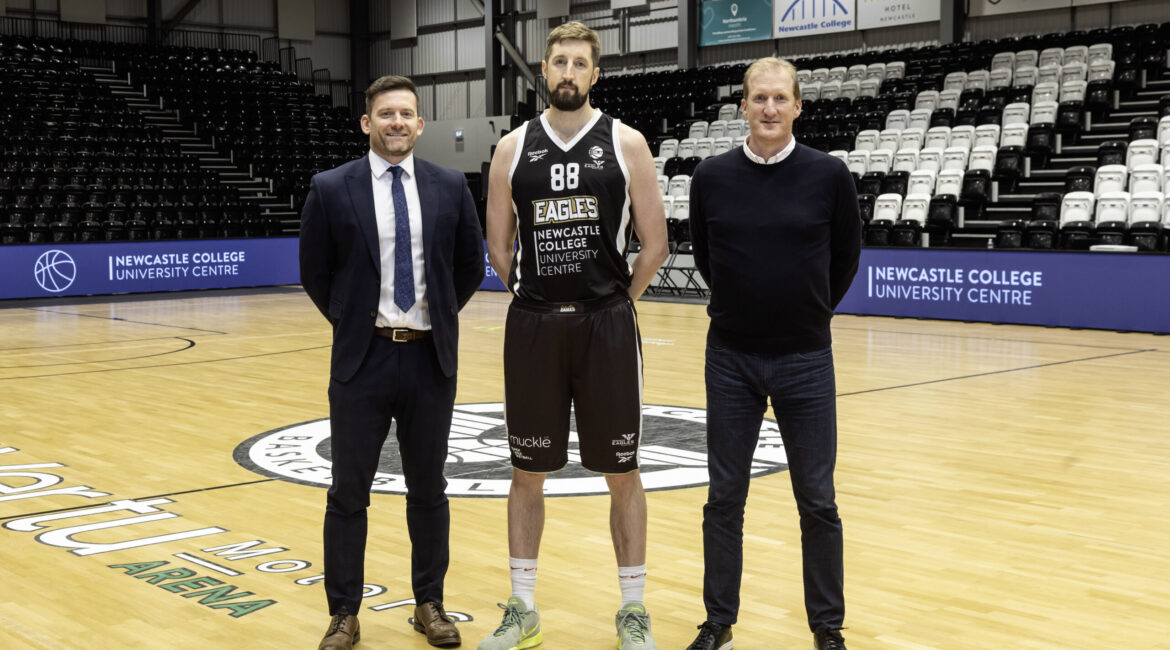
(788, 148)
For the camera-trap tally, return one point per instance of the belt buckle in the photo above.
(394, 335)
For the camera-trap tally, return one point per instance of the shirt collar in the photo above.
(379, 165)
(774, 159)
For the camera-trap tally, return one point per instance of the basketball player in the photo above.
(568, 186)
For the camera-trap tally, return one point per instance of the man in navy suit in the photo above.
(390, 251)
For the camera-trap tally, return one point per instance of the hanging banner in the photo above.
(884, 13)
(734, 21)
(806, 17)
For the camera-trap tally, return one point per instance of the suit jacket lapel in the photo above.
(428, 199)
(361, 195)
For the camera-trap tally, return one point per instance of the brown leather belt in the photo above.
(401, 334)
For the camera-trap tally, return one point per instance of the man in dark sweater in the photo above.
(777, 236)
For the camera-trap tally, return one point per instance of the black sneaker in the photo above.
(828, 639)
(713, 636)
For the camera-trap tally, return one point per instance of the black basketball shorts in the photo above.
(588, 355)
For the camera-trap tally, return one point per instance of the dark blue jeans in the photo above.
(803, 393)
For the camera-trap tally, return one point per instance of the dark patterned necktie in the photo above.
(403, 265)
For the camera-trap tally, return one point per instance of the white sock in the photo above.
(524, 580)
(632, 580)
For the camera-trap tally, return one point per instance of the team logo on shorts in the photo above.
(672, 454)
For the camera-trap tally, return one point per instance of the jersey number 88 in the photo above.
(564, 176)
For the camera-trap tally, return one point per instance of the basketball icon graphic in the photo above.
(55, 271)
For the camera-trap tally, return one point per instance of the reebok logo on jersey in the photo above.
(570, 208)
(534, 156)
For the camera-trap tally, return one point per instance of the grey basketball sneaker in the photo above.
(633, 628)
(520, 628)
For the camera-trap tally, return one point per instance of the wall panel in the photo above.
(530, 36)
(333, 16)
(435, 12)
(1033, 22)
(465, 11)
(471, 48)
(250, 14)
(21, 7)
(122, 8)
(451, 100)
(387, 60)
(330, 52)
(475, 94)
(205, 14)
(653, 36)
(379, 16)
(1138, 11)
(426, 98)
(436, 53)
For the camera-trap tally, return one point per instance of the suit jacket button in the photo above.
(373, 314)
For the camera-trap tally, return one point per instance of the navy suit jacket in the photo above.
(341, 267)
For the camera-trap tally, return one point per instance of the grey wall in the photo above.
(438, 144)
(296, 19)
(82, 11)
(445, 55)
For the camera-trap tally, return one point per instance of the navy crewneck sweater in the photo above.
(777, 244)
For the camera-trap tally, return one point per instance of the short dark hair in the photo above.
(386, 84)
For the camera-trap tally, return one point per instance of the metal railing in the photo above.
(267, 49)
(43, 28)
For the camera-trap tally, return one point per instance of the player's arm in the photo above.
(501, 220)
(646, 205)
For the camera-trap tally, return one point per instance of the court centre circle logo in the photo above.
(672, 454)
(55, 271)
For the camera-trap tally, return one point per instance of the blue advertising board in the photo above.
(734, 21)
(1115, 291)
(37, 271)
(491, 281)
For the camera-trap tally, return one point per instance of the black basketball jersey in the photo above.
(572, 205)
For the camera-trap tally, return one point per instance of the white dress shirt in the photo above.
(774, 159)
(389, 315)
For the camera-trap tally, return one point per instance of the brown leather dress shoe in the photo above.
(431, 620)
(344, 631)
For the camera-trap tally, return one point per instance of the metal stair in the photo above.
(251, 189)
(1115, 126)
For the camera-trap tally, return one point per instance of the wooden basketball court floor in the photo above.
(1000, 486)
